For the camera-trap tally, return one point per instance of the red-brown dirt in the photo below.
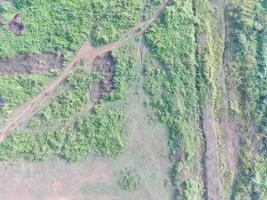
(87, 52)
(26, 64)
(104, 65)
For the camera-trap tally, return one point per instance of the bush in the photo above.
(129, 179)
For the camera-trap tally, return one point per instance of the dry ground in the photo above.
(25, 64)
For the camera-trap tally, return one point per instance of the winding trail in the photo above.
(86, 52)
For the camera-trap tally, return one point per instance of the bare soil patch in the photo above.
(26, 64)
(15, 25)
(104, 65)
(213, 182)
(231, 137)
(53, 180)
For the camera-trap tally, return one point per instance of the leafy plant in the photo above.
(129, 179)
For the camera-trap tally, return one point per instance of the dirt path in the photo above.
(220, 129)
(230, 126)
(86, 52)
(211, 155)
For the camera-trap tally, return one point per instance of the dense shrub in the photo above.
(129, 179)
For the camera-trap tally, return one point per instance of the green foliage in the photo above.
(15, 90)
(172, 85)
(64, 25)
(150, 8)
(73, 94)
(129, 179)
(104, 129)
(248, 62)
(123, 71)
(189, 191)
(109, 27)
(100, 132)
(1, 9)
(171, 82)
(22, 3)
(27, 145)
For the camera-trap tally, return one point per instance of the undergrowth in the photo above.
(71, 126)
(170, 81)
(64, 25)
(248, 45)
(16, 89)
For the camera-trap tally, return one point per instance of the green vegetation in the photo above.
(72, 96)
(190, 61)
(150, 8)
(64, 25)
(171, 84)
(123, 72)
(109, 27)
(71, 126)
(129, 179)
(247, 62)
(100, 132)
(16, 89)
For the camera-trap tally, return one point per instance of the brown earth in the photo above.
(212, 173)
(15, 25)
(26, 64)
(104, 65)
(87, 52)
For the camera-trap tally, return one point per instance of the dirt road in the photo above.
(86, 52)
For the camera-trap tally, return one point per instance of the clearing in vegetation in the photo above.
(31, 63)
(104, 69)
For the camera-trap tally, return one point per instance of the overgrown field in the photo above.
(64, 25)
(203, 70)
(71, 126)
(247, 42)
